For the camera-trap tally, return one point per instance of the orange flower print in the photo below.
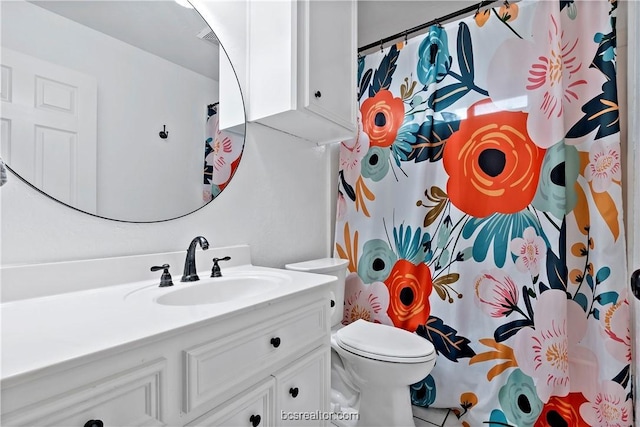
(382, 116)
(409, 289)
(562, 411)
(492, 163)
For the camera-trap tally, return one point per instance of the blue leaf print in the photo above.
(508, 330)
(602, 275)
(498, 419)
(445, 339)
(623, 377)
(557, 271)
(423, 393)
(581, 299)
(348, 189)
(610, 297)
(446, 96)
(364, 83)
(411, 248)
(431, 137)
(499, 229)
(384, 73)
(589, 280)
(465, 53)
(601, 113)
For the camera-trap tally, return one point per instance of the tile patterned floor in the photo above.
(423, 417)
(434, 417)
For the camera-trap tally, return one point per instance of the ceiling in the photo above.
(170, 31)
(160, 27)
(378, 19)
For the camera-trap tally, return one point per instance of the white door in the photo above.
(48, 127)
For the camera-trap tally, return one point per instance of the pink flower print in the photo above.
(550, 353)
(496, 293)
(225, 151)
(352, 153)
(558, 78)
(604, 166)
(367, 302)
(616, 328)
(546, 73)
(609, 407)
(530, 249)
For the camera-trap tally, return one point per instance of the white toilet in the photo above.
(372, 365)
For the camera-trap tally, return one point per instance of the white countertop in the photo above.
(39, 333)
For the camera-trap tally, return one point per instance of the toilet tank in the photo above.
(334, 267)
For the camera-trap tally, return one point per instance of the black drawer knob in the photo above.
(317, 94)
(94, 423)
(255, 420)
(293, 391)
(275, 342)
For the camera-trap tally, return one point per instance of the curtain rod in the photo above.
(440, 20)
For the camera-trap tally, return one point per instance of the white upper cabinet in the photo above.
(302, 67)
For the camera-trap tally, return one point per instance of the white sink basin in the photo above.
(219, 289)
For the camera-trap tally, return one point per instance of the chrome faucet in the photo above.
(190, 273)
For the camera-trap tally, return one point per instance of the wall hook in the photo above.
(163, 133)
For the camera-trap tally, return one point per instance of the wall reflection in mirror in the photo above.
(112, 107)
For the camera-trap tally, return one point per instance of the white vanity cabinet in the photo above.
(299, 393)
(302, 67)
(241, 369)
(295, 396)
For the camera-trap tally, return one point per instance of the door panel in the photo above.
(49, 127)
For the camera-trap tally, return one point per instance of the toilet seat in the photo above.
(385, 343)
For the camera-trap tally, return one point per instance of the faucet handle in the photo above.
(215, 271)
(165, 279)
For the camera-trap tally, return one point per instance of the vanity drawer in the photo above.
(302, 390)
(217, 365)
(255, 407)
(130, 398)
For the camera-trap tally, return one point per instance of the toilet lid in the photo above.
(385, 343)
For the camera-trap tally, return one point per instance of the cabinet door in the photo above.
(302, 391)
(130, 398)
(328, 30)
(253, 408)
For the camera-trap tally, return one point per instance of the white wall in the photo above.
(277, 203)
(138, 93)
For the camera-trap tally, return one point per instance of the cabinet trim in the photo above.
(198, 361)
(150, 377)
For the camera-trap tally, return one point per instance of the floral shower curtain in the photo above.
(480, 206)
(222, 152)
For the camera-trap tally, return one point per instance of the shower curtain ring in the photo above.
(381, 46)
(406, 35)
(506, 3)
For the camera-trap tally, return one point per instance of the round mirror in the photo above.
(113, 107)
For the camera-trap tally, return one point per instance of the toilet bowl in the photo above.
(372, 365)
(383, 362)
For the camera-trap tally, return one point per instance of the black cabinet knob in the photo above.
(294, 392)
(255, 420)
(317, 94)
(94, 423)
(275, 342)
